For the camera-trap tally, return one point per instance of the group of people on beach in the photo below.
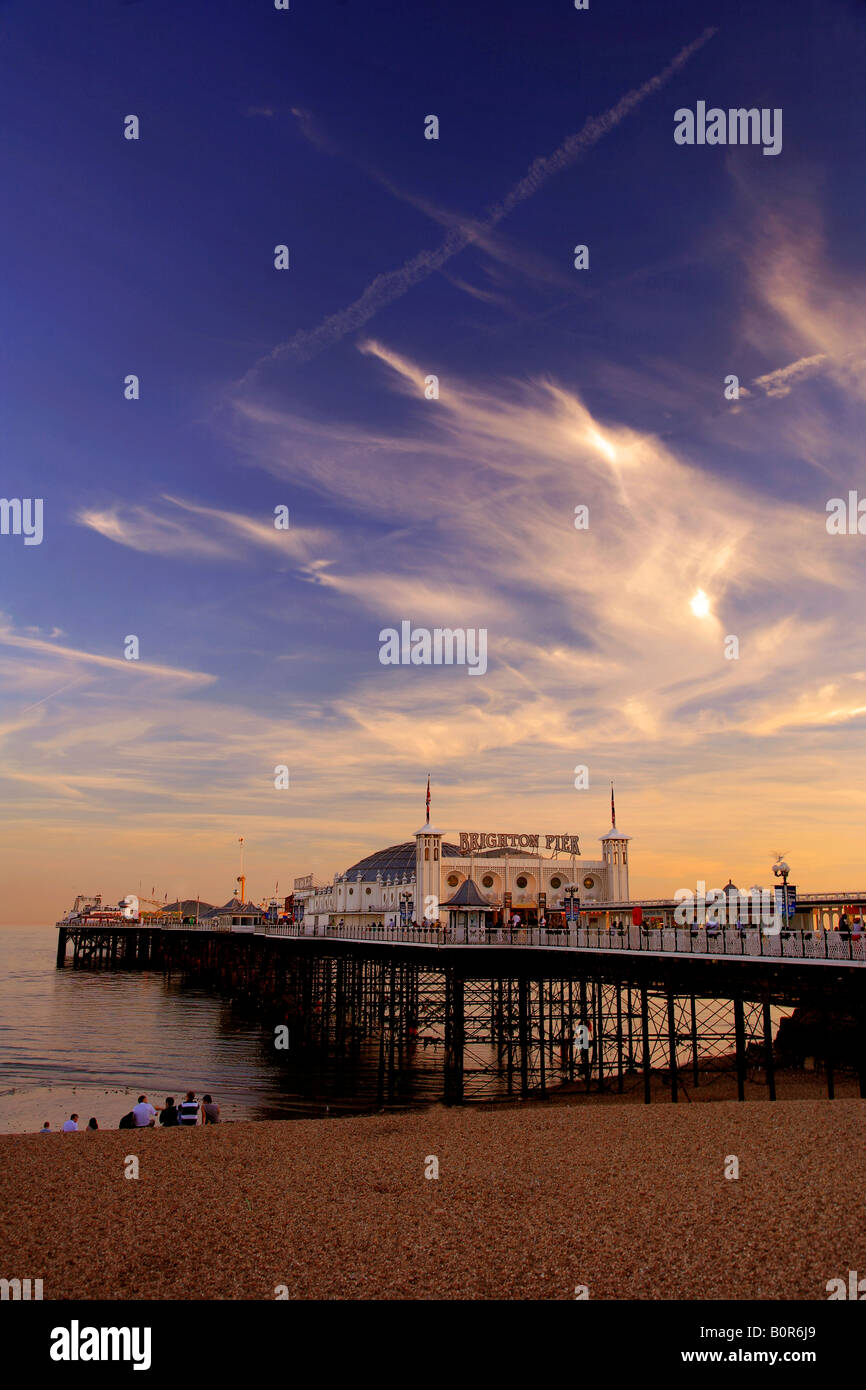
(170, 1116)
(143, 1115)
(69, 1126)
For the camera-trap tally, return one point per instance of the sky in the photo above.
(307, 389)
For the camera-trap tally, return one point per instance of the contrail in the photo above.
(58, 691)
(394, 283)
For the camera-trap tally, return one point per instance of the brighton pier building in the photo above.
(484, 879)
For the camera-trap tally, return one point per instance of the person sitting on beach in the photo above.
(46, 1128)
(70, 1126)
(187, 1111)
(168, 1114)
(91, 1123)
(144, 1114)
(211, 1111)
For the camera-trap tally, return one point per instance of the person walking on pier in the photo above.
(187, 1111)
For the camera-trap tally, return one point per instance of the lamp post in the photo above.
(781, 870)
(572, 905)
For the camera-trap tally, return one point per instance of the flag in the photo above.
(612, 809)
(428, 798)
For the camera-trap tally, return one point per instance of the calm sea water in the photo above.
(93, 1040)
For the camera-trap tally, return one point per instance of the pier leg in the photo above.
(523, 1033)
(61, 947)
(380, 1081)
(740, 1037)
(541, 1036)
(599, 1031)
(768, 1050)
(672, 1046)
(392, 1028)
(619, 1082)
(509, 1037)
(696, 1071)
(647, 1072)
(454, 1036)
(584, 1018)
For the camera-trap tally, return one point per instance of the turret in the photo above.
(614, 849)
(428, 856)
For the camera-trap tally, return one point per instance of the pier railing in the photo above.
(788, 944)
(723, 941)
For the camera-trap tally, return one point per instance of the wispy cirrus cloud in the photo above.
(216, 533)
(58, 656)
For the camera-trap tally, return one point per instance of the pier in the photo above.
(518, 1013)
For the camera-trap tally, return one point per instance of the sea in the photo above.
(93, 1040)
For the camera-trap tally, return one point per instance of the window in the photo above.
(351, 890)
(556, 883)
(453, 880)
(487, 881)
(589, 882)
(435, 851)
(368, 890)
(521, 881)
(426, 851)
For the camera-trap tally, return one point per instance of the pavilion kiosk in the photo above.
(468, 912)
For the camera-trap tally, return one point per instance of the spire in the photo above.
(428, 799)
(612, 809)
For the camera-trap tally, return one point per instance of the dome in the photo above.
(395, 860)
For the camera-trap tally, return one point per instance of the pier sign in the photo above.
(305, 882)
(473, 842)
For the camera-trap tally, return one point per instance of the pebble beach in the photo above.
(530, 1202)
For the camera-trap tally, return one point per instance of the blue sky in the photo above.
(305, 388)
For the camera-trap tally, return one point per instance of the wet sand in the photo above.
(24, 1108)
(531, 1202)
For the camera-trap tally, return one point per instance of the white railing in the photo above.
(727, 941)
(845, 947)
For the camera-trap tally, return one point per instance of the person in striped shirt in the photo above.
(188, 1110)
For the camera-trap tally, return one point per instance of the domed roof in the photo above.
(396, 860)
